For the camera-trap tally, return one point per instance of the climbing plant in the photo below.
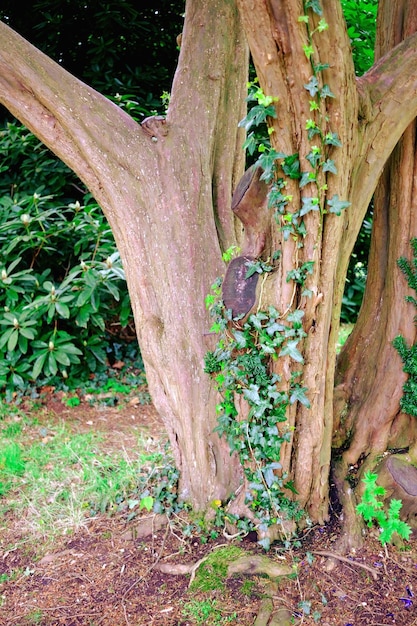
(407, 353)
(251, 341)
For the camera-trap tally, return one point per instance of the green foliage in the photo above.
(407, 353)
(372, 510)
(206, 612)
(61, 279)
(119, 48)
(361, 25)
(211, 574)
(240, 367)
(242, 363)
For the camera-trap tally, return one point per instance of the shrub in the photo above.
(61, 279)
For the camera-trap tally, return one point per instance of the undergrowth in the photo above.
(55, 479)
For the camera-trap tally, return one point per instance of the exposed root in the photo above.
(339, 557)
(352, 535)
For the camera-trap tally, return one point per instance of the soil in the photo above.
(104, 574)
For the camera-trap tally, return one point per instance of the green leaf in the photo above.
(329, 166)
(38, 365)
(332, 139)
(62, 357)
(69, 348)
(290, 349)
(298, 394)
(29, 333)
(252, 394)
(52, 364)
(5, 337)
(308, 50)
(14, 336)
(291, 166)
(309, 204)
(312, 86)
(326, 92)
(62, 310)
(306, 178)
(314, 5)
(147, 503)
(336, 205)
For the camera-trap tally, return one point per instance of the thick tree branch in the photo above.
(80, 125)
(388, 103)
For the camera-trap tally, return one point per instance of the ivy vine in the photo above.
(242, 362)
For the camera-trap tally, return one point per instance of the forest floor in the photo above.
(101, 572)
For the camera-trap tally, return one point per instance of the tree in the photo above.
(166, 188)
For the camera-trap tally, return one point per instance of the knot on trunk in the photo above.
(250, 205)
(239, 292)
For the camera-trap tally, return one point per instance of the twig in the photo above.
(344, 559)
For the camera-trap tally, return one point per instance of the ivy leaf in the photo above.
(240, 339)
(265, 543)
(329, 166)
(336, 205)
(291, 166)
(314, 5)
(290, 349)
(298, 394)
(306, 178)
(323, 25)
(312, 86)
(270, 477)
(332, 139)
(296, 316)
(326, 92)
(267, 162)
(309, 204)
(320, 67)
(313, 157)
(252, 394)
(308, 50)
(273, 328)
(257, 115)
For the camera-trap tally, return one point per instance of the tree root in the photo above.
(264, 613)
(344, 559)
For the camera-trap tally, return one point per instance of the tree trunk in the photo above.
(369, 375)
(166, 189)
(279, 37)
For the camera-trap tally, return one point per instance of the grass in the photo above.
(211, 574)
(206, 612)
(54, 479)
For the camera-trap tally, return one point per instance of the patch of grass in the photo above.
(34, 617)
(212, 573)
(53, 479)
(206, 612)
(248, 587)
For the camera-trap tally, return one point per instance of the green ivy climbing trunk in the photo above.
(355, 112)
